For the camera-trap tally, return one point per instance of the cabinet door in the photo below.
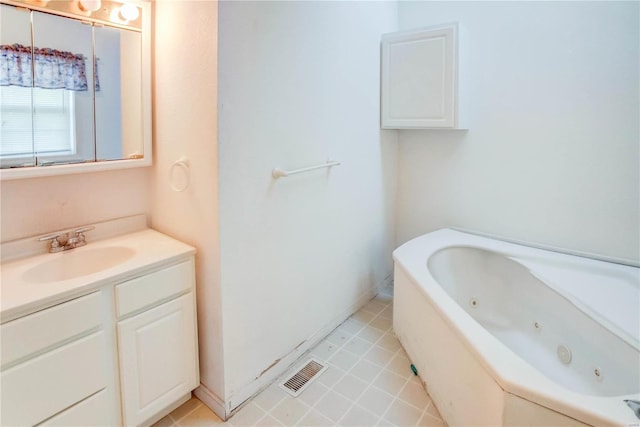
(158, 358)
(419, 78)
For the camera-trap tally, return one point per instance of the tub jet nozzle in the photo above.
(564, 354)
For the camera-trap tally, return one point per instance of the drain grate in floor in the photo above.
(296, 384)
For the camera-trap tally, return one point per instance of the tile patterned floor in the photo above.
(369, 382)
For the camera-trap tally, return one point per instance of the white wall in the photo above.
(552, 154)
(185, 112)
(299, 83)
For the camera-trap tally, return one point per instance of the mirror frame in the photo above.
(68, 169)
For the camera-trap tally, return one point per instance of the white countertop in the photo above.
(19, 296)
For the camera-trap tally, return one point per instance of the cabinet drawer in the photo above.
(93, 411)
(144, 291)
(45, 385)
(48, 327)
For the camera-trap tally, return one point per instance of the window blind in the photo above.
(47, 128)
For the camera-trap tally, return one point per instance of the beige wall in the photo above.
(35, 206)
(185, 124)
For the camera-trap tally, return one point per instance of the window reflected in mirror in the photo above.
(16, 108)
(62, 64)
(53, 133)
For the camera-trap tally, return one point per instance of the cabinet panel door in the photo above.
(158, 358)
(418, 79)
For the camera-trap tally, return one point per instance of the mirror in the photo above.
(74, 93)
(118, 102)
(62, 103)
(16, 120)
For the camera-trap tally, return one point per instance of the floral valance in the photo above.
(54, 69)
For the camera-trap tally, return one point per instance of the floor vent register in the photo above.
(296, 384)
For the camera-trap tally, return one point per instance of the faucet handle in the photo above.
(84, 229)
(79, 239)
(55, 243)
(66, 239)
(51, 237)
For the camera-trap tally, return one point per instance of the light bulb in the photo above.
(129, 12)
(90, 5)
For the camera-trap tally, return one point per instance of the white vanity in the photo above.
(104, 334)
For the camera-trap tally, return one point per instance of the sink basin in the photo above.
(77, 263)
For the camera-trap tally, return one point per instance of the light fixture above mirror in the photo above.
(89, 5)
(111, 12)
(129, 12)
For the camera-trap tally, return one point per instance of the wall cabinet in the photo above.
(424, 78)
(129, 348)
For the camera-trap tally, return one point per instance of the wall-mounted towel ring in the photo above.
(180, 175)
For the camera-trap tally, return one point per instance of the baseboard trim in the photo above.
(240, 396)
(212, 400)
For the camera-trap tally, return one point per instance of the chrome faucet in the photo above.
(66, 240)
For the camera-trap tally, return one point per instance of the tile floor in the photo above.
(369, 382)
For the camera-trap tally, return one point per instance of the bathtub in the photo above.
(505, 334)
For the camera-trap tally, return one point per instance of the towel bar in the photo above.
(277, 172)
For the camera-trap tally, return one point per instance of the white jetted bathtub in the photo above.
(505, 334)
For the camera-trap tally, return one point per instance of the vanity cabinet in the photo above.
(157, 346)
(55, 359)
(122, 353)
(424, 78)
